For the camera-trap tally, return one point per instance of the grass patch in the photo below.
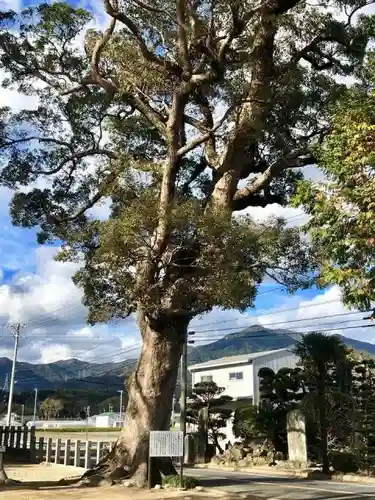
(81, 429)
(188, 482)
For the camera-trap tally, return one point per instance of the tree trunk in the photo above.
(323, 429)
(151, 390)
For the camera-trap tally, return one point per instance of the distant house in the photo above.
(107, 419)
(239, 375)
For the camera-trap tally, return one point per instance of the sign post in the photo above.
(165, 444)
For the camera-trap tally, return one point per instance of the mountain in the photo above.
(259, 338)
(76, 374)
(71, 373)
(252, 339)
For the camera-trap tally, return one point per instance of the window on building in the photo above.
(206, 378)
(236, 376)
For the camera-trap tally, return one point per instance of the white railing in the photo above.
(54, 450)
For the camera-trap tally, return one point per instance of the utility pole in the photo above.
(121, 393)
(16, 334)
(183, 395)
(35, 403)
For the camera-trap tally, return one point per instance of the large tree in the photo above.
(181, 113)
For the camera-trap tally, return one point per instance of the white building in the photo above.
(108, 419)
(239, 375)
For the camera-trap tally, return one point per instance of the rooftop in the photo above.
(234, 360)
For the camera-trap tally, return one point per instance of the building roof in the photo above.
(234, 360)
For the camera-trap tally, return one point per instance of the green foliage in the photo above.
(342, 224)
(245, 423)
(208, 395)
(107, 127)
(364, 393)
(51, 408)
(174, 481)
(345, 462)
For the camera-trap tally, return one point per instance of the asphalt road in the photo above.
(281, 487)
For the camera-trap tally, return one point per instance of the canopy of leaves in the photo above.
(178, 114)
(342, 225)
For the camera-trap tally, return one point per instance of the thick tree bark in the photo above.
(151, 390)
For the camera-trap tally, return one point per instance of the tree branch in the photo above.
(293, 160)
(96, 197)
(134, 30)
(182, 39)
(205, 137)
(110, 87)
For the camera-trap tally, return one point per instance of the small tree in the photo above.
(209, 395)
(51, 408)
(280, 392)
(364, 391)
(320, 355)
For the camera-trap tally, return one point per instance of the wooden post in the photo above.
(99, 447)
(49, 450)
(24, 437)
(18, 437)
(77, 454)
(11, 436)
(57, 451)
(1, 435)
(67, 452)
(87, 455)
(32, 444)
(41, 449)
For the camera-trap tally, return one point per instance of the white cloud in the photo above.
(11, 5)
(55, 352)
(49, 305)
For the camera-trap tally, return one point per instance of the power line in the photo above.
(282, 334)
(278, 311)
(287, 322)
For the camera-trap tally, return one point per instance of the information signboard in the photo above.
(166, 444)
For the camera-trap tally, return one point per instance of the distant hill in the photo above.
(252, 339)
(74, 373)
(71, 373)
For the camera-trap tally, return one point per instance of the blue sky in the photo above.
(38, 291)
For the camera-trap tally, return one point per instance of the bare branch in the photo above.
(104, 185)
(292, 160)
(357, 8)
(182, 38)
(205, 137)
(95, 59)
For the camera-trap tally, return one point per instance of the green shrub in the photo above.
(188, 482)
(344, 462)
